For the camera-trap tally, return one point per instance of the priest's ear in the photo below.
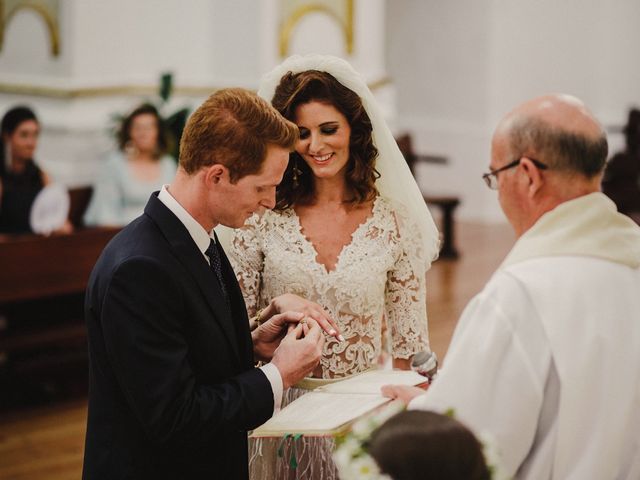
(534, 175)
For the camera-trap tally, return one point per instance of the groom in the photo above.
(173, 388)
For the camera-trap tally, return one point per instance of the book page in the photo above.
(319, 413)
(371, 382)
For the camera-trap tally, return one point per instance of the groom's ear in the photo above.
(215, 174)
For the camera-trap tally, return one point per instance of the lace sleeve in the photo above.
(405, 296)
(247, 259)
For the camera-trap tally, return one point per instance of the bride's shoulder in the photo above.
(397, 218)
(388, 207)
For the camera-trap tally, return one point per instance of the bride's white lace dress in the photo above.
(379, 275)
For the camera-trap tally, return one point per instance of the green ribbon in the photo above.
(293, 459)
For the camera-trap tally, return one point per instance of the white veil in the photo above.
(396, 181)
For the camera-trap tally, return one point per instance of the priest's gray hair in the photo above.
(560, 149)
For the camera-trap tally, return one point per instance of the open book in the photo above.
(330, 409)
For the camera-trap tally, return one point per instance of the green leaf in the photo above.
(166, 86)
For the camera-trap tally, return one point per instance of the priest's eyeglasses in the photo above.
(491, 178)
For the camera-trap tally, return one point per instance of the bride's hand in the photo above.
(291, 302)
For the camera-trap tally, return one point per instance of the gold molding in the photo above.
(381, 82)
(146, 90)
(88, 92)
(46, 14)
(290, 23)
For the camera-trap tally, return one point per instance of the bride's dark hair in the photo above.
(304, 87)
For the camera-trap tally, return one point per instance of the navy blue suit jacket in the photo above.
(173, 389)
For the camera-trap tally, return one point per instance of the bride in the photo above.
(350, 231)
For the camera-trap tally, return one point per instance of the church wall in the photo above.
(468, 63)
(445, 71)
(113, 53)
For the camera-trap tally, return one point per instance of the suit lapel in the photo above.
(190, 256)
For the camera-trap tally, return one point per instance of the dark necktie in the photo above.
(216, 266)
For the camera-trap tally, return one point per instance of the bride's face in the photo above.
(324, 138)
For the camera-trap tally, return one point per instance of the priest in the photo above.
(546, 359)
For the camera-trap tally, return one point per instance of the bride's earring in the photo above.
(296, 173)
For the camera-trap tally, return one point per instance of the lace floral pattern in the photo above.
(381, 272)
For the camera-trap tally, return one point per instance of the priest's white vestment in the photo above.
(546, 359)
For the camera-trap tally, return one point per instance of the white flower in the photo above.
(366, 467)
(351, 458)
(492, 455)
(362, 428)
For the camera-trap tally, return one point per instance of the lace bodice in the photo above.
(382, 271)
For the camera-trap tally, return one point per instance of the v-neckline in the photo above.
(344, 248)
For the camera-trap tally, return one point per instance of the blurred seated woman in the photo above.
(21, 179)
(417, 445)
(140, 167)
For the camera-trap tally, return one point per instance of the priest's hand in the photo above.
(403, 393)
(291, 302)
(299, 352)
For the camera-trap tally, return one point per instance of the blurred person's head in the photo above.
(423, 445)
(335, 136)
(20, 130)
(143, 131)
(546, 151)
(234, 150)
(632, 131)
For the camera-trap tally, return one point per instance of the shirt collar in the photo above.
(197, 231)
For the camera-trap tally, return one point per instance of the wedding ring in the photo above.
(304, 320)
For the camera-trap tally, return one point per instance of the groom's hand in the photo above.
(291, 302)
(268, 335)
(299, 352)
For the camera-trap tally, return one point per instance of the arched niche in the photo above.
(46, 9)
(293, 11)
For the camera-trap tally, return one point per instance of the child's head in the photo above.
(426, 445)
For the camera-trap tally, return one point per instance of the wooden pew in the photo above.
(446, 203)
(42, 284)
(35, 267)
(79, 199)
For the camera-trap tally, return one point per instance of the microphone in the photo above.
(426, 364)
